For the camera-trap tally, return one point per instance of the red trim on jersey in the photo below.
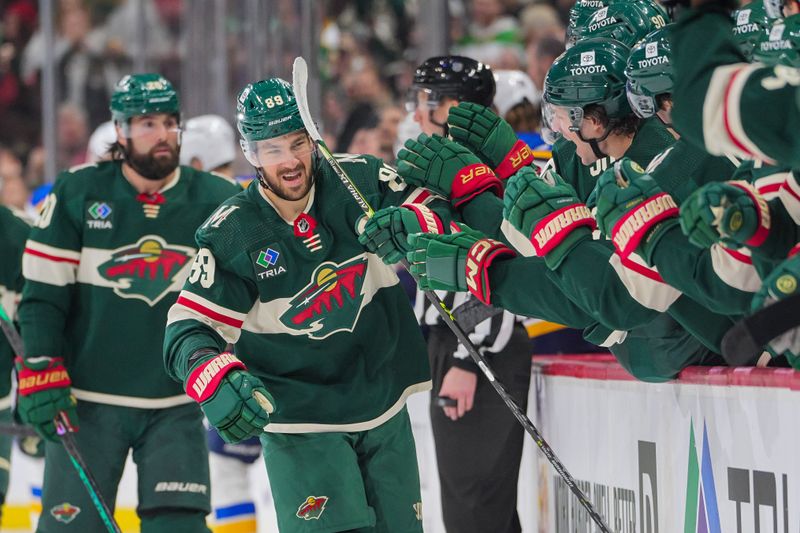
(739, 256)
(772, 187)
(53, 258)
(194, 306)
(639, 269)
(791, 191)
(726, 119)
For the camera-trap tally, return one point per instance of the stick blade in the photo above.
(300, 84)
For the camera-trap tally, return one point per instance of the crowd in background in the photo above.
(368, 53)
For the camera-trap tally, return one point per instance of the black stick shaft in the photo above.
(479, 359)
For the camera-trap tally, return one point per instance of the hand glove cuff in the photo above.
(519, 156)
(479, 258)
(762, 208)
(629, 230)
(472, 180)
(555, 227)
(204, 378)
(30, 380)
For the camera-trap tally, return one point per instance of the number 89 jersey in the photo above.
(324, 324)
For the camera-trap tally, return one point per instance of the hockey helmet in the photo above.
(781, 44)
(649, 72)
(461, 78)
(750, 24)
(210, 139)
(513, 87)
(627, 21)
(142, 94)
(580, 12)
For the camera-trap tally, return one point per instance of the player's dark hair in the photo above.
(625, 126)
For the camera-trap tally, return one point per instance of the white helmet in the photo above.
(210, 139)
(101, 140)
(513, 87)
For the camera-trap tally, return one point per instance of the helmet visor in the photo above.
(155, 125)
(427, 99)
(644, 106)
(271, 152)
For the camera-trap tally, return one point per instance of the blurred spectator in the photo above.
(364, 84)
(73, 134)
(492, 36)
(539, 21)
(390, 118)
(18, 106)
(541, 55)
(360, 124)
(14, 192)
(164, 43)
(10, 165)
(408, 128)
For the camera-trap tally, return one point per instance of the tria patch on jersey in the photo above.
(331, 302)
(312, 508)
(145, 270)
(99, 215)
(269, 262)
(64, 512)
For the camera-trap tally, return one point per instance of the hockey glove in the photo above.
(234, 401)
(732, 212)
(632, 210)
(44, 392)
(457, 262)
(546, 210)
(446, 168)
(490, 137)
(780, 284)
(386, 233)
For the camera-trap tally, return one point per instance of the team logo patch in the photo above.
(651, 50)
(743, 17)
(269, 262)
(304, 226)
(587, 58)
(99, 215)
(312, 508)
(331, 302)
(787, 284)
(65, 512)
(145, 270)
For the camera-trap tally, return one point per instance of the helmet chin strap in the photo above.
(443, 125)
(594, 143)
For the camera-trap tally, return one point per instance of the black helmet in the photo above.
(458, 77)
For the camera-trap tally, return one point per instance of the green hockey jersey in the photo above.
(14, 230)
(325, 325)
(102, 267)
(651, 139)
(724, 104)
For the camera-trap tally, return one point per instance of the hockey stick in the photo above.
(745, 341)
(299, 82)
(64, 430)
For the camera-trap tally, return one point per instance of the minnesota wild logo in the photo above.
(145, 270)
(331, 302)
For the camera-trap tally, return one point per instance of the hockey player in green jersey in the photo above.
(105, 262)
(14, 229)
(322, 330)
(625, 21)
(720, 96)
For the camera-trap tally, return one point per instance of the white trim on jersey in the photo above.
(358, 426)
(790, 197)
(130, 401)
(517, 239)
(50, 265)
(9, 300)
(6, 401)
(226, 322)
(735, 267)
(769, 186)
(723, 131)
(644, 283)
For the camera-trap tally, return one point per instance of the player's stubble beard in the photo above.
(149, 165)
(276, 185)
